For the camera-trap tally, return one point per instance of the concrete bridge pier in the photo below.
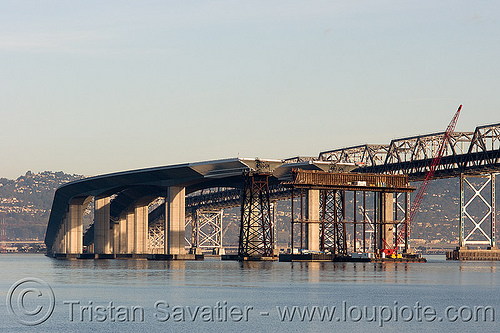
(130, 232)
(128, 244)
(175, 221)
(174, 227)
(103, 232)
(116, 236)
(73, 222)
(385, 241)
(141, 227)
(127, 236)
(121, 234)
(312, 217)
(59, 246)
(69, 238)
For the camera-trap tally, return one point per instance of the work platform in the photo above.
(323, 257)
(475, 255)
(167, 257)
(236, 257)
(324, 228)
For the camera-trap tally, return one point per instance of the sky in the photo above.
(92, 87)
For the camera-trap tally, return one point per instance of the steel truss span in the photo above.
(475, 152)
(469, 153)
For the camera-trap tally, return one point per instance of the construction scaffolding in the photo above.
(325, 218)
(257, 226)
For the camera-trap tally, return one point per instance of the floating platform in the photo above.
(175, 256)
(323, 257)
(491, 254)
(319, 257)
(111, 256)
(404, 260)
(247, 258)
(212, 256)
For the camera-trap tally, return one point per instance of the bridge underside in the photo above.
(125, 235)
(124, 227)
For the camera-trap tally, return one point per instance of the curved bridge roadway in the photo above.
(126, 196)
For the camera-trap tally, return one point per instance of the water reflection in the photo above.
(262, 285)
(251, 274)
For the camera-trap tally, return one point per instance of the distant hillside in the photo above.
(26, 201)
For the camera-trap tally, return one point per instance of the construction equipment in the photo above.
(430, 174)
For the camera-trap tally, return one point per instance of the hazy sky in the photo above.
(92, 87)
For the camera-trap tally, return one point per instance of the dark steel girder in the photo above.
(450, 166)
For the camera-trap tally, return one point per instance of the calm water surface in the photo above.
(226, 296)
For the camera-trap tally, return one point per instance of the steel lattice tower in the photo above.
(332, 226)
(256, 229)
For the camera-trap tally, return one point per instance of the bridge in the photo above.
(122, 222)
(466, 153)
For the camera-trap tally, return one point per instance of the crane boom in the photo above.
(432, 170)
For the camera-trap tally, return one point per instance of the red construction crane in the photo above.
(435, 163)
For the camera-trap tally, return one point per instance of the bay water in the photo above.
(47, 295)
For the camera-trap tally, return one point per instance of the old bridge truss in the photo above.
(475, 152)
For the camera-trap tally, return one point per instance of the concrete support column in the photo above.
(141, 228)
(122, 233)
(102, 231)
(387, 221)
(64, 234)
(130, 222)
(175, 220)
(116, 236)
(57, 247)
(74, 226)
(67, 232)
(53, 249)
(312, 214)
